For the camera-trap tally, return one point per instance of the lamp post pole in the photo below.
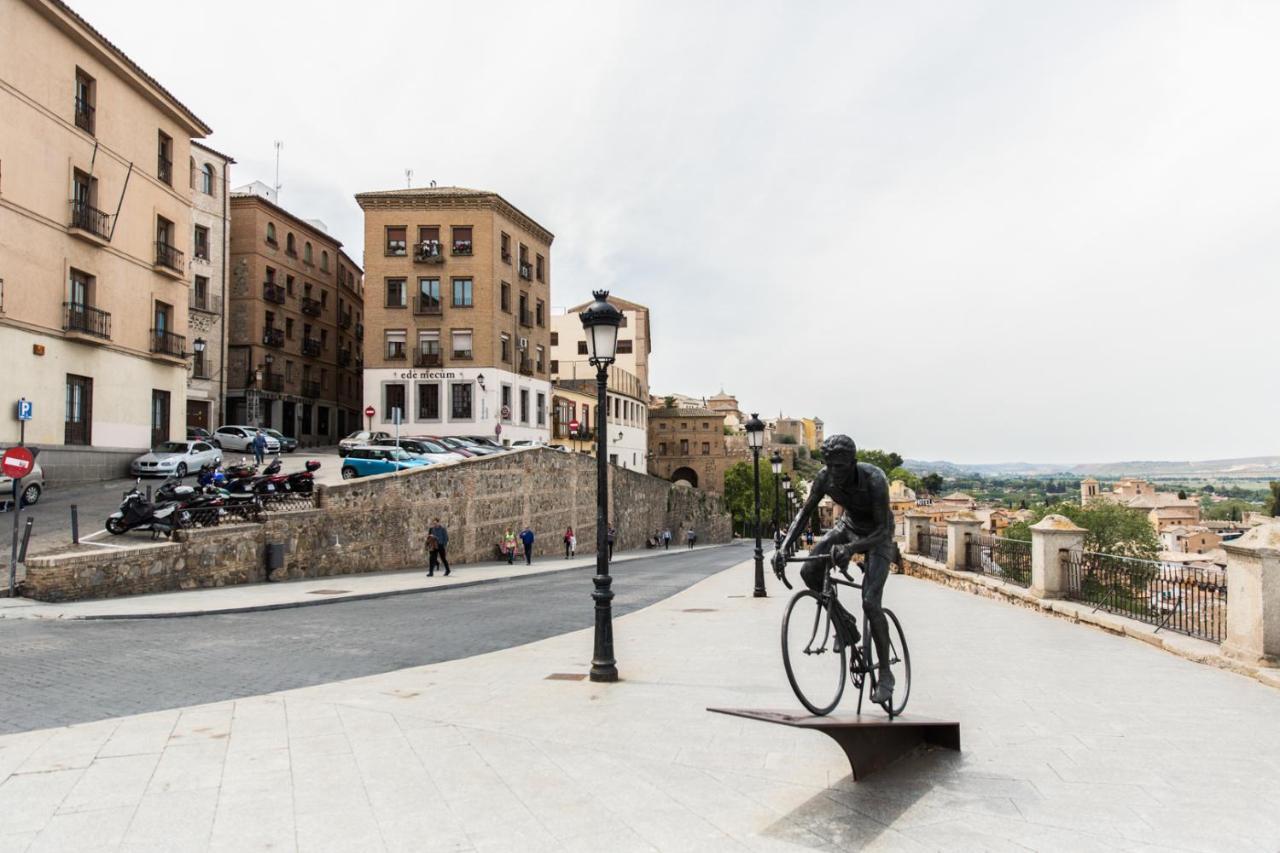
(755, 437)
(775, 462)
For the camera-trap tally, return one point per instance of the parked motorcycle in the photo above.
(137, 513)
(303, 482)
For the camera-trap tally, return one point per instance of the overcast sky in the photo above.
(975, 231)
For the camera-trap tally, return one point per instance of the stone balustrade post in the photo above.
(1253, 596)
(1050, 536)
(917, 522)
(960, 529)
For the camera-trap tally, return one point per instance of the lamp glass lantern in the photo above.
(600, 322)
(755, 432)
(198, 345)
(776, 461)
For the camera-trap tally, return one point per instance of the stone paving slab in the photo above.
(1074, 739)
(247, 598)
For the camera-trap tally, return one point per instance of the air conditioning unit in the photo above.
(524, 343)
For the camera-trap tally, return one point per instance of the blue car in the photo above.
(365, 460)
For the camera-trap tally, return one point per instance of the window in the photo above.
(428, 297)
(324, 299)
(395, 293)
(555, 338)
(306, 252)
(542, 409)
(324, 376)
(392, 402)
(555, 366)
(460, 401)
(662, 448)
(624, 346)
(539, 315)
(525, 319)
(324, 339)
(288, 371)
(538, 271)
(506, 402)
(506, 247)
(159, 417)
(462, 344)
(200, 246)
(164, 158)
(706, 448)
(164, 234)
(78, 426)
(428, 348)
(288, 283)
(504, 341)
(684, 447)
(200, 293)
(428, 242)
(462, 293)
(428, 401)
(271, 233)
(582, 347)
(462, 239)
(288, 327)
(397, 235)
(206, 179)
(538, 361)
(324, 261)
(290, 245)
(322, 420)
(524, 405)
(506, 297)
(395, 339)
(85, 96)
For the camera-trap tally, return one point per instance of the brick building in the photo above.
(688, 444)
(457, 326)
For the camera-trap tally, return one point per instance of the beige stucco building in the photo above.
(569, 343)
(457, 319)
(210, 266)
(627, 417)
(95, 243)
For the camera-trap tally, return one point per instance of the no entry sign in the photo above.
(573, 425)
(17, 462)
(369, 412)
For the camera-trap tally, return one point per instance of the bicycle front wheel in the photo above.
(899, 665)
(814, 660)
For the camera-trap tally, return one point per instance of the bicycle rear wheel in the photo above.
(814, 667)
(899, 665)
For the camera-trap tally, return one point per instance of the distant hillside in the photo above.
(1246, 468)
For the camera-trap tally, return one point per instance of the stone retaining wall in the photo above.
(380, 524)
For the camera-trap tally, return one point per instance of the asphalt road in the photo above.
(59, 673)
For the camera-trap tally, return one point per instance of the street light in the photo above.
(755, 438)
(198, 345)
(600, 322)
(786, 489)
(775, 461)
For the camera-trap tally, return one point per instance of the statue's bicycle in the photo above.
(815, 659)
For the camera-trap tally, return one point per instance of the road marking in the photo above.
(105, 545)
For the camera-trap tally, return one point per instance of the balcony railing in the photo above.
(273, 293)
(270, 381)
(84, 115)
(310, 388)
(164, 170)
(359, 331)
(395, 352)
(462, 247)
(211, 304)
(273, 338)
(169, 256)
(429, 252)
(427, 357)
(344, 358)
(426, 305)
(310, 346)
(526, 270)
(85, 319)
(526, 366)
(310, 306)
(167, 343)
(344, 321)
(526, 319)
(86, 217)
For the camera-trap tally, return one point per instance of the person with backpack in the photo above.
(439, 537)
(570, 543)
(526, 539)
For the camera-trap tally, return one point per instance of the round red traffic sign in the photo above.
(573, 425)
(369, 412)
(17, 462)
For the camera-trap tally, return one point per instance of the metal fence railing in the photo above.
(1186, 599)
(247, 511)
(1007, 559)
(931, 542)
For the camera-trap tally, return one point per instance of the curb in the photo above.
(366, 596)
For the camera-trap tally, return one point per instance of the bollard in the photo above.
(75, 526)
(148, 493)
(26, 537)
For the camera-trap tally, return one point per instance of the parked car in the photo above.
(198, 434)
(458, 444)
(32, 485)
(424, 447)
(176, 458)
(241, 438)
(486, 441)
(365, 460)
(359, 438)
(287, 444)
(527, 442)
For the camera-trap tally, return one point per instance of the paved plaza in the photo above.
(1073, 739)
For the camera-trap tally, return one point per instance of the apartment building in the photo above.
(210, 265)
(284, 318)
(350, 343)
(627, 417)
(569, 343)
(95, 243)
(457, 335)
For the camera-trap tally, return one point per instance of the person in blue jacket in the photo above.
(526, 538)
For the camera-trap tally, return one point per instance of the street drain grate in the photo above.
(565, 676)
(329, 592)
(699, 610)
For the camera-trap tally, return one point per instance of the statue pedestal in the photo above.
(870, 743)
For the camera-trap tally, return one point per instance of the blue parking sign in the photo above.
(25, 408)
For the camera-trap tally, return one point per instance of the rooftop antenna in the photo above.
(408, 179)
(279, 145)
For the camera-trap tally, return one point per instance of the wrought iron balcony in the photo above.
(167, 343)
(164, 169)
(344, 358)
(270, 381)
(429, 252)
(86, 217)
(273, 338)
(427, 357)
(526, 366)
(169, 256)
(273, 293)
(426, 305)
(310, 388)
(84, 115)
(85, 319)
(359, 331)
(311, 306)
(462, 247)
(310, 346)
(211, 304)
(526, 270)
(344, 321)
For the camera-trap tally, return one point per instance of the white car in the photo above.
(176, 458)
(360, 438)
(241, 438)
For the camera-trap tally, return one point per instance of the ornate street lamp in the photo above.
(775, 462)
(755, 438)
(786, 489)
(198, 345)
(600, 322)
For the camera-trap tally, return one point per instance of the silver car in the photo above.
(240, 438)
(32, 486)
(176, 458)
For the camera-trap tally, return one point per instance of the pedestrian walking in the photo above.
(526, 538)
(612, 534)
(509, 546)
(440, 555)
(692, 537)
(259, 446)
(433, 554)
(666, 539)
(570, 543)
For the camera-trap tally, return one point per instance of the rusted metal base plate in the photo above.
(871, 743)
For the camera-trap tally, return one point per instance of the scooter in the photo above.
(137, 513)
(303, 482)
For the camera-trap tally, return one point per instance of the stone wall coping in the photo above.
(917, 513)
(49, 561)
(347, 485)
(1054, 523)
(965, 517)
(1262, 541)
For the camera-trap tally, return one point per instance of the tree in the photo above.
(669, 401)
(787, 439)
(1182, 495)
(885, 461)
(910, 480)
(1274, 508)
(739, 495)
(1229, 510)
(1110, 528)
(932, 482)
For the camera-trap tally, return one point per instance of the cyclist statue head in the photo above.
(865, 527)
